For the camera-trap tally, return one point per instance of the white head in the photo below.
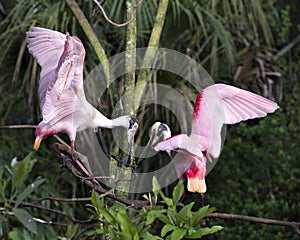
(132, 127)
(159, 132)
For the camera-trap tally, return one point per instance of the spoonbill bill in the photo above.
(157, 133)
(215, 106)
(63, 103)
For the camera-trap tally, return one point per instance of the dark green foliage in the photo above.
(13, 188)
(120, 222)
(18, 220)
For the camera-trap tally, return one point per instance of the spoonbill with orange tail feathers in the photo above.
(215, 106)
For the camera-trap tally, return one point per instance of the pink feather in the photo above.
(63, 103)
(215, 106)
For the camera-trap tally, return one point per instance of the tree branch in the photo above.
(17, 126)
(90, 181)
(91, 36)
(32, 205)
(294, 225)
(130, 57)
(118, 24)
(151, 50)
(62, 199)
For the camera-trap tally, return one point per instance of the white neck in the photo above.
(101, 121)
(122, 121)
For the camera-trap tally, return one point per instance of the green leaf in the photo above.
(164, 219)
(142, 229)
(3, 185)
(71, 230)
(15, 235)
(146, 197)
(21, 170)
(127, 227)
(152, 215)
(28, 190)
(186, 211)
(136, 236)
(205, 231)
(26, 219)
(167, 228)
(149, 236)
(1, 173)
(108, 216)
(96, 200)
(155, 186)
(178, 234)
(178, 191)
(100, 231)
(167, 200)
(201, 213)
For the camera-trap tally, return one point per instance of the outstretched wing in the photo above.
(223, 104)
(61, 85)
(182, 143)
(241, 105)
(47, 47)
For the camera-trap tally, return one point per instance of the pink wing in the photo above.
(61, 85)
(241, 105)
(223, 104)
(47, 47)
(182, 143)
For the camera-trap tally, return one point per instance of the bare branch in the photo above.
(17, 126)
(32, 205)
(151, 50)
(90, 181)
(294, 225)
(86, 27)
(118, 24)
(86, 199)
(62, 199)
(40, 220)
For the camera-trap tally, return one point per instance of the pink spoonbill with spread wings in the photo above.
(63, 103)
(215, 106)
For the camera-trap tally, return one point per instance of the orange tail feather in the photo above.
(196, 185)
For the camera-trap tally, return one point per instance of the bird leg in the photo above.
(202, 199)
(75, 159)
(80, 165)
(57, 147)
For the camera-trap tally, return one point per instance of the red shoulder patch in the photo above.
(197, 104)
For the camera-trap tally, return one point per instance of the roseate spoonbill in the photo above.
(215, 105)
(63, 103)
